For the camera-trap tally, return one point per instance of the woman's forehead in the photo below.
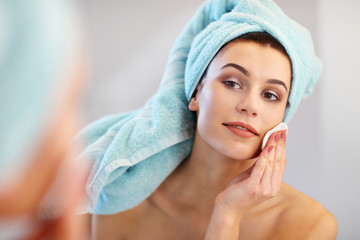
(253, 58)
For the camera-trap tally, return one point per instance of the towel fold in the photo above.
(133, 153)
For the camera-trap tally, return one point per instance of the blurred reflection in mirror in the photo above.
(42, 70)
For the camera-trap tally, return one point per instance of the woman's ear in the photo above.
(193, 105)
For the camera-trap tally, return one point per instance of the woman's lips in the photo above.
(241, 129)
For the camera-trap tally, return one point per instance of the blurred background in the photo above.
(130, 42)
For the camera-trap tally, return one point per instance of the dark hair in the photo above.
(264, 39)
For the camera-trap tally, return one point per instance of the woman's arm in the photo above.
(223, 225)
(260, 182)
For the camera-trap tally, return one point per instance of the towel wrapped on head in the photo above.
(133, 153)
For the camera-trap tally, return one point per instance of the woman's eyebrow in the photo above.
(247, 73)
(238, 67)
(275, 81)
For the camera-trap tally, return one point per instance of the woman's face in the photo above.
(246, 86)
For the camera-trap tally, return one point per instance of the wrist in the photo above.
(226, 210)
(226, 216)
(224, 224)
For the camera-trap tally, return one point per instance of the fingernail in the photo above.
(283, 135)
(272, 137)
(277, 137)
(270, 148)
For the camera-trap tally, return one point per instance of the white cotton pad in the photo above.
(280, 126)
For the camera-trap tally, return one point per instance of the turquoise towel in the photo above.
(133, 153)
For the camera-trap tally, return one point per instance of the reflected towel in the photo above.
(38, 42)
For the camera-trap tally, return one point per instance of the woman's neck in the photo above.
(203, 175)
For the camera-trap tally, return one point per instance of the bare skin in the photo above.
(229, 188)
(281, 221)
(170, 213)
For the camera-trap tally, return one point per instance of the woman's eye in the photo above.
(271, 96)
(232, 84)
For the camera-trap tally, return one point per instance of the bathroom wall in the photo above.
(339, 34)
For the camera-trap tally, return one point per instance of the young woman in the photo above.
(227, 186)
(223, 189)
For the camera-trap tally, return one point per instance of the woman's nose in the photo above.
(248, 105)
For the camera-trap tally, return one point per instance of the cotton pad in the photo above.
(279, 127)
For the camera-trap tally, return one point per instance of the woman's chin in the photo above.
(243, 154)
(247, 150)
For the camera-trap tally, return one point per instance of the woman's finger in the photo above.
(266, 178)
(283, 163)
(260, 164)
(280, 158)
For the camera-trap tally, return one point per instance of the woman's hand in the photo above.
(259, 183)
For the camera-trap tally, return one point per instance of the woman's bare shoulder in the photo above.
(115, 226)
(304, 217)
(140, 222)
